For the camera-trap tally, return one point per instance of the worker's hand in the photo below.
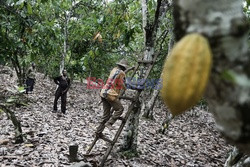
(134, 86)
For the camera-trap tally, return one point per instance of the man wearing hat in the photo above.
(109, 95)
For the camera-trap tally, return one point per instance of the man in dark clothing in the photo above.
(31, 77)
(63, 83)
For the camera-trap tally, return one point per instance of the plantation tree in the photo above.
(152, 13)
(29, 34)
(148, 107)
(61, 33)
(15, 31)
(225, 26)
(100, 34)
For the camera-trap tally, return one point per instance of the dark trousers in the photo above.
(59, 94)
(29, 84)
(109, 117)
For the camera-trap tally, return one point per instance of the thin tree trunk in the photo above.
(130, 137)
(17, 67)
(148, 107)
(144, 17)
(150, 30)
(16, 123)
(224, 26)
(62, 63)
(150, 104)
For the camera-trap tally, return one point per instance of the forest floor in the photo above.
(191, 139)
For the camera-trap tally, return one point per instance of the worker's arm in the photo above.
(56, 80)
(135, 86)
(129, 69)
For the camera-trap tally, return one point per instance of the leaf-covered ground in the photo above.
(191, 140)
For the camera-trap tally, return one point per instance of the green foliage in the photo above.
(34, 31)
(248, 3)
(17, 97)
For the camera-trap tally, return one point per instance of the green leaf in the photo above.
(10, 100)
(150, 5)
(239, 79)
(227, 75)
(21, 5)
(29, 8)
(91, 53)
(248, 2)
(21, 89)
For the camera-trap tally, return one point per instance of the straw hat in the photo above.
(123, 63)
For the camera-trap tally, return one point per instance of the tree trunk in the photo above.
(62, 63)
(228, 93)
(148, 107)
(144, 17)
(18, 69)
(16, 123)
(150, 29)
(130, 138)
(131, 130)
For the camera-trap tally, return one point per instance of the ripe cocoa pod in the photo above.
(186, 72)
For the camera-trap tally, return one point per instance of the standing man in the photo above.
(63, 83)
(31, 78)
(110, 96)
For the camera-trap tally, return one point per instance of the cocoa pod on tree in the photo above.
(186, 72)
(223, 23)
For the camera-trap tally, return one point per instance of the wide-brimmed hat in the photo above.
(123, 63)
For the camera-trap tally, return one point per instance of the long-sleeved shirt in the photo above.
(62, 81)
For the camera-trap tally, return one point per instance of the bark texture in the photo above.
(65, 31)
(150, 30)
(130, 139)
(16, 123)
(148, 107)
(228, 93)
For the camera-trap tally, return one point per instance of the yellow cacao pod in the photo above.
(185, 73)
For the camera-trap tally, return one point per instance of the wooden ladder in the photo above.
(134, 100)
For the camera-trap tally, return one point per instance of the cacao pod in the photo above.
(186, 72)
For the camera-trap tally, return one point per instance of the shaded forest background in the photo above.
(90, 36)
